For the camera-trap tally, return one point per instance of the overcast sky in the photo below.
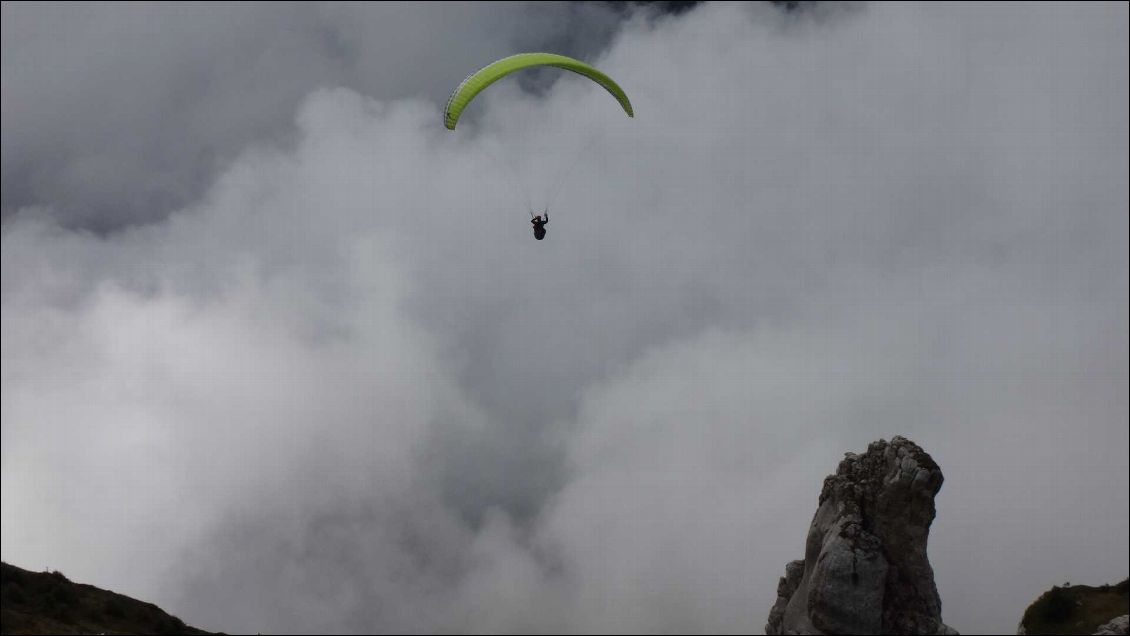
(280, 353)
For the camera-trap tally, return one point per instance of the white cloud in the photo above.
(344, 390)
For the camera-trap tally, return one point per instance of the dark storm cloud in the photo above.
(115, 114)
(820, 229)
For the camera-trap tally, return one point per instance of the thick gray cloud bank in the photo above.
(344, 390)
(116, 114)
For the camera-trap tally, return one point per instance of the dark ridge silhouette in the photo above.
(50, 603)
(1076, 609)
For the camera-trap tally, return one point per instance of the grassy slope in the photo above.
(1076, 609)
(49, 603)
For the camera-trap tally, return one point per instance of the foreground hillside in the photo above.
(49, 603)
(1076, 609)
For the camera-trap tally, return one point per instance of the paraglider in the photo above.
(476, 82)
(491, 73)
(539, 224)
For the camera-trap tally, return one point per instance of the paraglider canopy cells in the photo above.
(491, 73)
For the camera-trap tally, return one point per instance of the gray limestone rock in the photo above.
(865, 569)
(1118, 626)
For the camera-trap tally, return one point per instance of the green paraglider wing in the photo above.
(491, 73)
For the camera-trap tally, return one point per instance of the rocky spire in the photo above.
(865, 569)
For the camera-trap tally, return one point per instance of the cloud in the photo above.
(342, 389)
(120, 114)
